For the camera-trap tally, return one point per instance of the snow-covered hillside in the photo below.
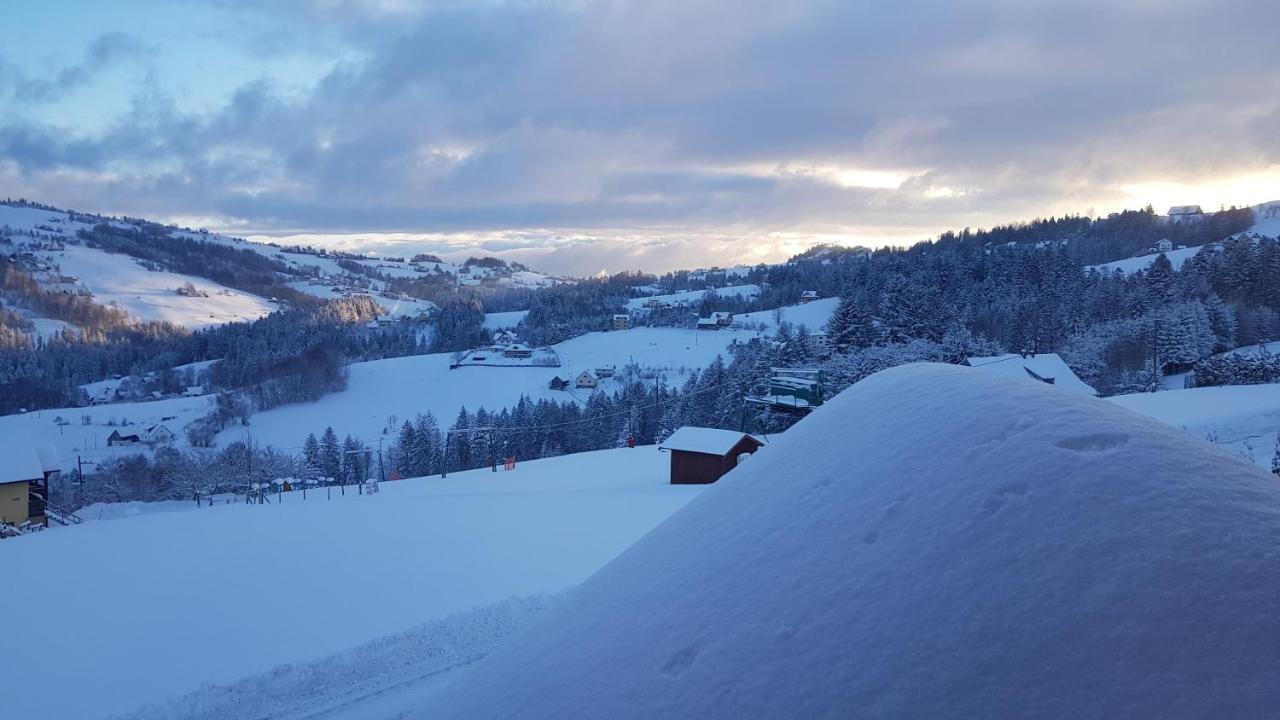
(933, 543)
(693, 297)
(133, 611)
(402, 387)
(1134, 264)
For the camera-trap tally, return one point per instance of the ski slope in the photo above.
(140, 609)
(891, 557)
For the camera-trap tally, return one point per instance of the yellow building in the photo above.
(24, 482)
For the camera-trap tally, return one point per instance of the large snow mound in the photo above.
(933, 543)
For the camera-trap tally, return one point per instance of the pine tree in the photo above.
(330, 454)
(311, 452)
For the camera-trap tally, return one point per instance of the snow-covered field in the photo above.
(139, 609)
(1242, 419)
(1134, 264)
(504, 320)
(119, 280)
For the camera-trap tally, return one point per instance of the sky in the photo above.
(581, 137)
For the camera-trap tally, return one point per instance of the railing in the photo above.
(62, 515)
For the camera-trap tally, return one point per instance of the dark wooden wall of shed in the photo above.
(690, 468)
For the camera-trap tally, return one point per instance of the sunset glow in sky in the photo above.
(578, 136)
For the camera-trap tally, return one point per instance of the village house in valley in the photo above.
(587, 381)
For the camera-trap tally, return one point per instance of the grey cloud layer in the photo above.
(690, 114)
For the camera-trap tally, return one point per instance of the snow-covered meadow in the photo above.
(148, 607)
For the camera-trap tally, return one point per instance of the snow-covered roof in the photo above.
(889, 557)
(1047, 366)
(1185, 210)
(20, 461)
(711, 441)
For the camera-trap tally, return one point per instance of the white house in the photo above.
(1048, 368)
(808, 296)
(158, 435)
(587, 381)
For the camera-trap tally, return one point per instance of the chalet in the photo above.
(1164, 245)
(116, 438)
(715, 321)
(158, 435)
(558, 383)
(621, 321)
(386, 320)
(587, 381)
(1185, 213)
(505, 337)
(517, 350)
(700, 456)
(1048, 368)
(606, 372)
(808, 296)
(24, 481)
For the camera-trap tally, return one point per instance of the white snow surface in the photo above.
(1046, 365)
(711, 441)
(1241, 418)
(693, 297)
(1134, 264)
(140, 609)
(892, 556)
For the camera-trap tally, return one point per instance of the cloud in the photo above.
(597, 124)
(103, 52)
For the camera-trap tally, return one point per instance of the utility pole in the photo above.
(382, 471)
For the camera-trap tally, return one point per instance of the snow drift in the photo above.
(936, 542)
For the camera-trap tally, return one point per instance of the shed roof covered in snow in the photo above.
(1048, 368)
(1185, 210)
(888, 557)
(19, 460)
(711, 441)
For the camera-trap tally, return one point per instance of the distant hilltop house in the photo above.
(587, 381)
(558, 383)
(386, 320)
(1185, 213)
(606, 372)
(715, 321)
(1048, 368)
(808, 296)
(621, 321)
(700, 456)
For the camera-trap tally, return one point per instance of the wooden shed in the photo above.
(700, 456)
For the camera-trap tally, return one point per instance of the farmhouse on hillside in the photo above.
(158, 435)
(715, 321)
(1048, 368)
(558, 383)
(1191, 213)
(517, 350)
(621, 321)
(700, 456)
(587, 381)
(808, 296)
